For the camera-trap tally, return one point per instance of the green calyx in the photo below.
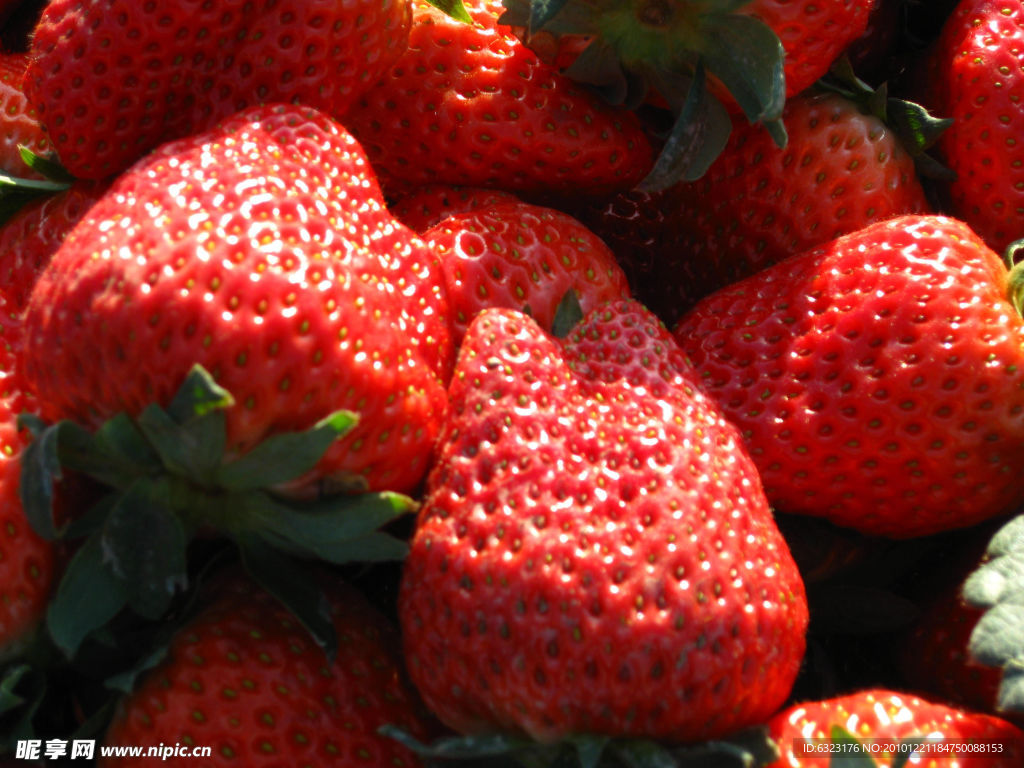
(167, 480)
(674, 49)
(16, 192)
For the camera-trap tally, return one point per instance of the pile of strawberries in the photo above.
(581, 382)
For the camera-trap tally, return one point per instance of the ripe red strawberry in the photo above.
(757, 204)
(18, 122)
(469, 104)
(594, 554)
(518, 255)
(261, 250)
(878, 380)
(31, 237)
(244, 678)
(974, 78)
(112, 80)
(426, 207)
(877, 717)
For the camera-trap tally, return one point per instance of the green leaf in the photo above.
(46, 166)
(338, 530)
(747, 56)
(9, 698)
(14, 184)
(641, 753)
(294, 585)
(543, 11)
(453, 8)
(144, 544)
(459, 747)
(699, 135)
(568, 315)
(120, 442)
(599, 66)
(852, 756)
(286, 456)
(198, 396)
(589, 749)
(88, 596)
(40, 470)
(177, 445)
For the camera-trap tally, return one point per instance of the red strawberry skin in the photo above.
(975, 78)
(594, 554)
(758, 204)
(468, 104)
(261, 250)
(111, 80)
(425, 207)
(878, 380)
(245, 679)
(887, 715)
(519, 255)
(19, 124)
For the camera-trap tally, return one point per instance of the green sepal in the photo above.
(145, 548)
(337, 530)
(643, 753)
(747, 56)
(454, 8)
(567, 316)
(541, 12)
(699, 135)
(198, 396)
(852, 756)
(10, 699)
(998, 587)
(495, 745)
(40, 471)
(22, 691)
(89, 595)
(286, 456)
(294, 585)
(599, 67)
(181, 447)
(48, 167)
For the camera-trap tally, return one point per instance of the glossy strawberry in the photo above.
(110, 81)
(594, 554)
(245, 679)
(877, 379)
(876, 717)
(468, 104)
(841, 170)
(974, 78)
(525, 257)
(262, 251)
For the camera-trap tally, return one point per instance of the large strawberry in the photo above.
(864, 725)
(110, 81)
(878, 380)
(262, 251)
(469, 104)
(842, 169)
(594, 553)
(244, 679)
(975, 77)
(522, 256)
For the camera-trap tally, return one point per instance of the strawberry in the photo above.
(701, 60)
(841, 170)
(974, 77)
(594, 554)
(426, 207)
(878, 380)
(263, 252)
(18, 122)
(468, 104)
(112, 80)
(518, 255)
(30, 238)
(243, 678)
(866, 722)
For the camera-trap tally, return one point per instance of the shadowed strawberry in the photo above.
(594, 554)
(468, 104)
(244, 679)
(877, 380)
(426, 207)
(857, 730)
(19, 125)
(111, 81)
